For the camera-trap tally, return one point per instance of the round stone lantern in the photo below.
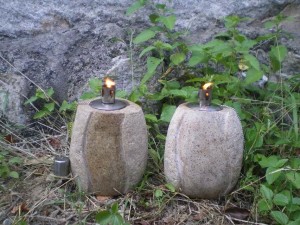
(204, 149)
(109, 145)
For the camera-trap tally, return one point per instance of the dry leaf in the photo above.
(42, 160)
(54, 142)
(9, 138)
(199, 216)
(20, 208)
(237, 213)
(102, 198)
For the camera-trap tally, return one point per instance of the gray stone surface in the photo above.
(204, 151)
(64, 43)
(12, 94)
(108, 150)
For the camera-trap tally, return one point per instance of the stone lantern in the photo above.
(109, 144)
(204, 148)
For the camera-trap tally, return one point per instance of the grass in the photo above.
(38, 197)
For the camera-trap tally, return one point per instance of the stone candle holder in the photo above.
(108, 150)
(204, 150)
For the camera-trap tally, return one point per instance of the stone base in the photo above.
(108, 150)
(204, 152)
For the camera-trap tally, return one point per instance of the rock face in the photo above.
(108, 150)
(204, 151)
(12, 97)
(64, 43)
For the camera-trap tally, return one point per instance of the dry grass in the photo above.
(38, 197)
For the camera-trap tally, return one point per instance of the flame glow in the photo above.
(207, 85)
(109, 82)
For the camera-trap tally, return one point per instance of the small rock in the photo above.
(7, 221)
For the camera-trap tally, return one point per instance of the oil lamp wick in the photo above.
(108, 91)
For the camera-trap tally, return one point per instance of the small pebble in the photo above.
(7, 221)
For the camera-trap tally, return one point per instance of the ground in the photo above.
(39, 197)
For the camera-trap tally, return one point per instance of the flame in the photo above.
(207, 85)
(109, 82)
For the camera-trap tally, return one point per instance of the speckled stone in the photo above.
(108, 150)
(204, 151)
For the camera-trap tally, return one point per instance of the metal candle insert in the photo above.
(205, 96)
(61, 166)
(108, 101)
(108, 91)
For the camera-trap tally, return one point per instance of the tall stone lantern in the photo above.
(109, 144)
(204, 148)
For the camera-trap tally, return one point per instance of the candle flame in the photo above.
(109, 82)
(207, 85)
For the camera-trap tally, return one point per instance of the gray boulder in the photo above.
(64, 43)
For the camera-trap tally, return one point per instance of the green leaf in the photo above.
(280, 163)
(40, 114)
(31, 100)
(15, 160)
(177, 58)
(294, 222)
(169, 21)
(148, 49)
(269, 24)
(198, 58)
(151, 118)
(167, 112)
(144, 36)
(115, 208)
(103, 217)
(50, 92)
(296, 201)
(265, 162)
(279, 52)
(172, 84)
(154, 18)
(252, 61)
(178, 93)
(263, 205)
(266, 193)
(253, 75)
(158, 193)
(280, 217)
(14, 174)
(67, 106)
(134, 7)
(49, 106)
(281, 200)
(170, 187)
(95, 85)
(294, 177)
(272, 177)
(135, 95)
(152, 64)
(88, 95)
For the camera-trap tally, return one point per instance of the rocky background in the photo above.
(61, 44)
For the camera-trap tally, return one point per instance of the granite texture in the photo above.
(108, 150)
(204, 151)
(61, 44)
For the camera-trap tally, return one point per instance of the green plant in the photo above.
(48, 103)
(269, 115)
(279, 194)
(110, 216)
(7, 163)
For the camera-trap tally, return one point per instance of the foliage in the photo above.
(7, 163)
(110, 216)
(45, 97)
(269, 115)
